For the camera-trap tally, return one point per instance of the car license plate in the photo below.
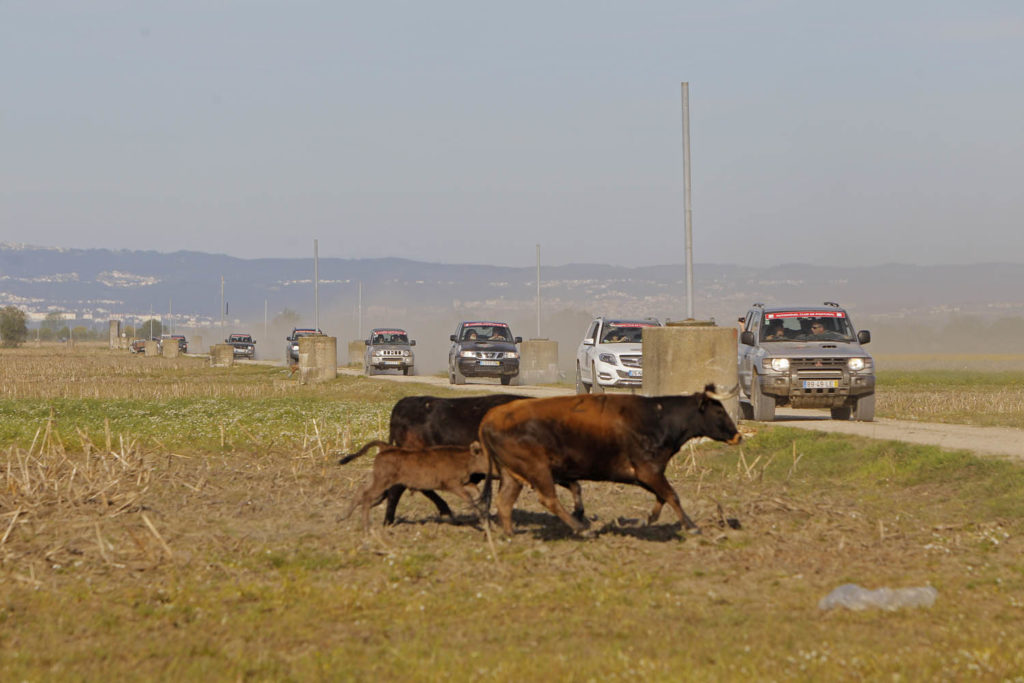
(821, 383)
(489, 362)
(636, 373)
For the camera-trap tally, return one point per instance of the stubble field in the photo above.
(160, 519)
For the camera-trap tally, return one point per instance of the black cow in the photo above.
(622, 438)
(424, 421)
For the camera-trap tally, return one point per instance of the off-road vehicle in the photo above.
(291, 349)
(388, 348)
(483, 349)
(244, 345)
(805, 357)
(611, 354)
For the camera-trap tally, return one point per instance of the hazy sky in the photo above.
(467, 132)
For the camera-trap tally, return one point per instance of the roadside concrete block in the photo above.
(318, 359)
(538, 362)
(681, 358)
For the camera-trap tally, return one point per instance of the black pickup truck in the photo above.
(245, 345)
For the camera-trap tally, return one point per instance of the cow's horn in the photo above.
(718, 396)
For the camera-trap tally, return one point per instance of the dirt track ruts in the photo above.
(1000, 441)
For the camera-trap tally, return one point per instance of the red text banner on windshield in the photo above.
(805, 314)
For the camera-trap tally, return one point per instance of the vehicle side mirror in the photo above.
(412, 342)
(451, 337)
(747, 338)
(864, 336)
(589, 341)
(519, 340)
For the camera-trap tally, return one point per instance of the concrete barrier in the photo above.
(681, 358)
(318, 358)
(115, 334)
(538, 362)
(356, 353)
(222, 355)
(152, 348)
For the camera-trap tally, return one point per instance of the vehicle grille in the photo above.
(390, 352)
(636, 361)
(817, 363)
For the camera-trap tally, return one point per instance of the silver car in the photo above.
(805, 357)
(388, 348)
(611, 354)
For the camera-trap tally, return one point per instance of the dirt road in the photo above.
(1000, 441)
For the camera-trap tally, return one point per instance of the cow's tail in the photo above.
(352, 456)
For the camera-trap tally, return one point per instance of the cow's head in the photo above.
(717, 423)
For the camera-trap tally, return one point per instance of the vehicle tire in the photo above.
(763, 406)
(864, 411)
(746, 411)
(581, 386)
(459, 378)
(406, 370)
(595, 386)
(841, 413)
(506, 380)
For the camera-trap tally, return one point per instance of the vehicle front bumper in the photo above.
(616, 376)
(391, 362)
(792, 389)
(244, 352)
(474, 367)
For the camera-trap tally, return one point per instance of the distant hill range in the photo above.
(101, 284)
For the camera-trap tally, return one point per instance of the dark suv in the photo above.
(806, 357)
(483, 349)
(291, 350)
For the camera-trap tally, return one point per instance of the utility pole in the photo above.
(538, 292)
(359, 320)
(222, 305)
(686, 200)
(265, 319)
(316, 288)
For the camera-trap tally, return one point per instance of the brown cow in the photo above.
(447, 468)
(621, 438)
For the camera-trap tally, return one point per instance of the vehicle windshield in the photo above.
(486, 333)
(240, 337)
(806, 326)
(390, 337)
(623, 332)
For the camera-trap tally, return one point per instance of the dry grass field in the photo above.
(165, 520)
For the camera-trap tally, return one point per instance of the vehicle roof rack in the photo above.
(758, 305)
(832, 303)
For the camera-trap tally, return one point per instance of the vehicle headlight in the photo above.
(511, 354)
(467, 354)
(776, 364)
(406, 353)
(856, 364)
(378, 352)
(608, 358)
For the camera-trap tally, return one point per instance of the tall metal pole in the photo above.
(686, 200)
(316, 288)
(265, 336)
(538, 292)
(222, 305)
(359, 322)
(170, 316)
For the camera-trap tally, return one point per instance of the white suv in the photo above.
(611, 354)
